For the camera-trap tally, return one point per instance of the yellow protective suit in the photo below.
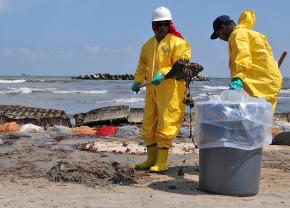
(252, 61)
(164, 108)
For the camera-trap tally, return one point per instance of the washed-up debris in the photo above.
(101, 131)
(9, 127)
(57, 129)
(128, 130)
(183, 70)
(94, 174)
(37, 116)
(132, 147)
(31, 128)
(100, 116)
(106, 131)
(114, 147)
(85, 130)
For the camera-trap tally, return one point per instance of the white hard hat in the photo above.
(161, 14)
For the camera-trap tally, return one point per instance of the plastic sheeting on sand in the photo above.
(128, 130)
(60, 129)
(31, 128)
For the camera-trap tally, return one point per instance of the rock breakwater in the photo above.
(107, 76)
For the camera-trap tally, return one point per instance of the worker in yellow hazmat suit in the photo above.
(164, 108)
(252, 65)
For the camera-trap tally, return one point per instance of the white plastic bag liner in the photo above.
(31, 128)
(233, 119)
(128, 130)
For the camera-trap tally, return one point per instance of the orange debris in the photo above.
(86, 130)
(9, 127)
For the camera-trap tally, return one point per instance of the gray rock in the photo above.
(106, 76)
(136, 115)
(282, 139)
(106, 115)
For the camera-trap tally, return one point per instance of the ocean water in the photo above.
(75, 96)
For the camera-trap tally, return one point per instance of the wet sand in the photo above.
(41, 170)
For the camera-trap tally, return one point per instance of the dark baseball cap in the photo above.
(217, 23)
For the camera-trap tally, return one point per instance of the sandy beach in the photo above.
(42, 170)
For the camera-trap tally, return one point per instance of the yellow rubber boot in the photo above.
(151, 158)
(161, 164)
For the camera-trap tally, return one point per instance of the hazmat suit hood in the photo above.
(247, 19)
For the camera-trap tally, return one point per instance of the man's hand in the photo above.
(136, 87)
(156, 79)
(236, 84)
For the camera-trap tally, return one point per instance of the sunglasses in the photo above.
(160, 24)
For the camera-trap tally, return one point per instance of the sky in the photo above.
(73, 37)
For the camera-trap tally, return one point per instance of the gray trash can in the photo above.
(230, 171)
(230, 131)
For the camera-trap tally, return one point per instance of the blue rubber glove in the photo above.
(157, 77)
(136, 87)
(236, 84)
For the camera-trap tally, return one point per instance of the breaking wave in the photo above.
(6, 81)
(80, 91)
(26, 90)
(285, 91)
(120, 100)
(206, 87)
(128, 100)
